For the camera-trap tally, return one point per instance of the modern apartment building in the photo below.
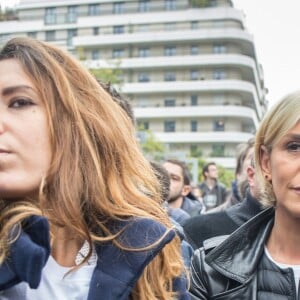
(190, 71)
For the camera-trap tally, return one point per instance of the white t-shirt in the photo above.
(295, 268)
(56, 283)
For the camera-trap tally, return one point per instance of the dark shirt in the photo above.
(200, 228)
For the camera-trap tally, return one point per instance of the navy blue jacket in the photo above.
(116, 272)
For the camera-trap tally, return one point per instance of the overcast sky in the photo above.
(275, 26)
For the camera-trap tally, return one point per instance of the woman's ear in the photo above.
(265, 163)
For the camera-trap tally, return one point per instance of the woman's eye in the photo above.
(20, 103)
(293, 146)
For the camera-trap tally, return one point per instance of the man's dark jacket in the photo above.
(238, 268)
(205, 226)
(116, 272)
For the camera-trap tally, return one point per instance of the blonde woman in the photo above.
(80, 216)
(261, 259)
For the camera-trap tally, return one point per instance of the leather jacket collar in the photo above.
(238, 255)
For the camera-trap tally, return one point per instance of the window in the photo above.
(144, 125)
(143, 27)
(71, 34)
(170, 4)
(118, 8)
(218, 150)
(94, 9)
(50, 15)
(96, 31)
(118, 29)
(219, 75)
(72, 13)
(170, 51)
(169, 126)
(170, 102)
(194, 25)
(218, 125)
(169, 76)
(194, 50)
(118, 53)
(32, 34)
(194, 100)
(50, 35)
(194, 75)
(194, 126)
(144, 52)
(95, 54)
(143, 77)
(170, 26)
(219, 49)
(144, 5)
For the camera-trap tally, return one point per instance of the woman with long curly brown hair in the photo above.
(80, 214)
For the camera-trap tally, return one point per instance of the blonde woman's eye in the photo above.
(294, 146)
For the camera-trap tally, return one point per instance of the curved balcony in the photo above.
(229, 111)
(180, 36)
(203, 137)
(237, 86)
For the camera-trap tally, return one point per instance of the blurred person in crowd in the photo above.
(176, 215)
(200, 229)
(213, 192)
(180, 187)
(239, 185)
(261, 259)
(80, 213)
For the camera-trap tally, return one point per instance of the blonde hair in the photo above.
(277, 122)
(97, 170)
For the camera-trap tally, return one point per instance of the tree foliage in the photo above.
(199, 3)
(108, 75)
(7, 14)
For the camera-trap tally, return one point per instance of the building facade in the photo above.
(189, 67)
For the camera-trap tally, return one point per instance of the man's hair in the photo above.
(242, 151)
(185, 170)
(206, 167)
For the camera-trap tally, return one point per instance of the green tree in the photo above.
(151, 146)
(199, 3)
(113, 75)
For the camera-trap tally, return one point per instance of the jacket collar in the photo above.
(237, 257)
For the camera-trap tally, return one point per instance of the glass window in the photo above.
(170, 26)
(94, 9)
(116, 53)
(170, 4)
(144, 125)
(144, 5)
(218, 125)
(218, 150)
(50, 15)
(118, 29)
(194, 50)
(194, 126)
(219, 49)
(119, 8)
(144, 52)
(143, 77)
(169, 126)
(219, 75)
(50, 35)
(194, 75)
(96, 31)
(72, 13)
(95, 54)
(170, 50)
(194, 100)
(194, 25)
(170, 76)
(71, 34)
(32, 34)
(170, 102)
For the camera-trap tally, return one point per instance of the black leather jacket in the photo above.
(238, 269)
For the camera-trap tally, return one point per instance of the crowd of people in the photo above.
(84, 214)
